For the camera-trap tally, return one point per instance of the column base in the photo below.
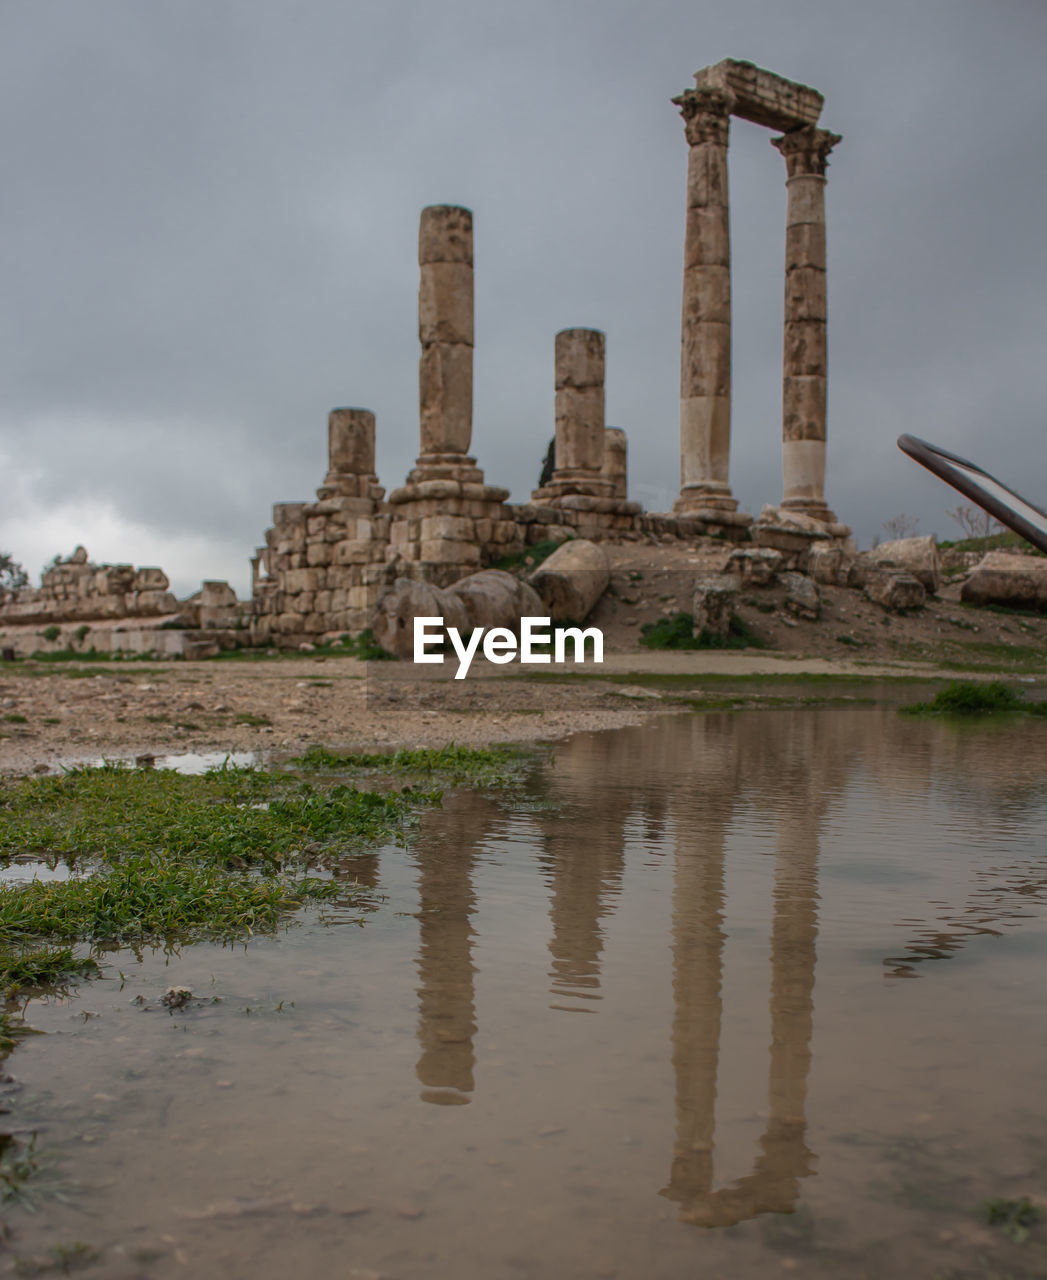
(445, 466)
(340, 484)
(698, 499)
(815, 508)
(568, 484)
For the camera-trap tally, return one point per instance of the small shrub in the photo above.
(677, 632)
(51, 633)
(81, 632)
(966, 698)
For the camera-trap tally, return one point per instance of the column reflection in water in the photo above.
(446, 853)
(582, 853)
(699, 936)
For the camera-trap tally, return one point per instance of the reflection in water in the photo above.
(583, 859)
(689, 785)
(696, 885)
(446, 858)
(698, 943)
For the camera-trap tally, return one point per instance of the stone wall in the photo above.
(75, 590)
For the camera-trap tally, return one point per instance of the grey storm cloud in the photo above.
(210, 210)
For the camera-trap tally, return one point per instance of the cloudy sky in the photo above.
(209, 227)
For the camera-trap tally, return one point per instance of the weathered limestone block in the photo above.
(318, 554)
(392, 623)
(352, 551)
(151, 580)
(755, 566)
(298, 580)
(894, 590)
(446, 551)
(827, 564)
(918, 556)
(217, 594)
(151, 603)
(1015, 581)
(801, 596)
(572, 580)
(457, 528)
(494, 598)
(715, 597)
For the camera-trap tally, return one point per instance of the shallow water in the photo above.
(723, 995)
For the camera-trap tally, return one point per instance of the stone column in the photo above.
(805, 367)
(705, 360)
(350, 454)
(580, 366)
(616, 461)
(445, 327)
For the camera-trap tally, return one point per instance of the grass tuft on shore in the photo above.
(163, 858)
(967, 698)
(481, 766)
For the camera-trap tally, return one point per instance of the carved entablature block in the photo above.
(761, 96)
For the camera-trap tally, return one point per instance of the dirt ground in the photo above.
(62, 713)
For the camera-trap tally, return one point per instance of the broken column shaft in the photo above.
(805, 357)
(350, 455)
(580, 366)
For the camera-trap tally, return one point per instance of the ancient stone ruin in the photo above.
(326, 564)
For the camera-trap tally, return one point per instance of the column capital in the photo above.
(806, 150)
(706, 115)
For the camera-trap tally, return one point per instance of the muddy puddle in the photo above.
(722, 995)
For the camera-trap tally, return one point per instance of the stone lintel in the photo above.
(761, 96)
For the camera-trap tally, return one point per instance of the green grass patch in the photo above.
(529, 559)
(23, 968)
(151, 899)
(230, 818)
(967, 698)
(1014, 1218)
(993, 542)
(676, 632)
(249, 718)
(482, 766)
(165, 858)
(81, 655)
(13, 717)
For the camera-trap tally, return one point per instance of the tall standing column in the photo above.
(705, 362)
(445, 327)
(805, 360)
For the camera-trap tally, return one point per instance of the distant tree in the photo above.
(12, 576)
(548, 464)
(974, 522)
(902, 526)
